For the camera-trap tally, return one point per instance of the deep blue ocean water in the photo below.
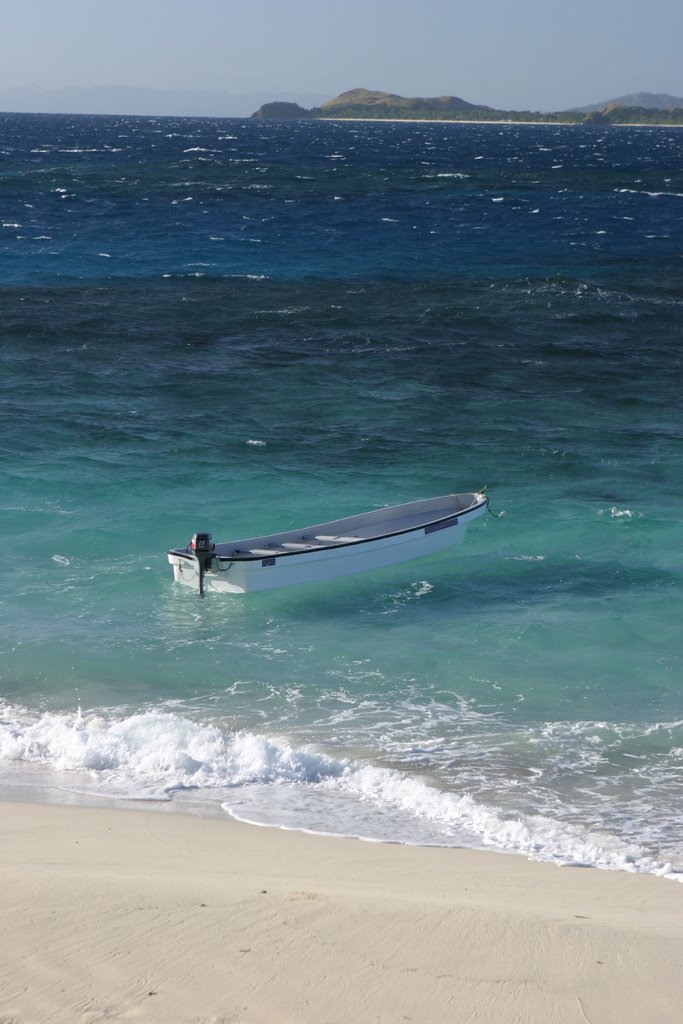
(244, 327)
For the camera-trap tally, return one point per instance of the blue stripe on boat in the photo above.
(441, 526)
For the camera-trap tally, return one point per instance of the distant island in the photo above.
(366, 104)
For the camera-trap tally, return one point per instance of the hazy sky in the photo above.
(528, 54)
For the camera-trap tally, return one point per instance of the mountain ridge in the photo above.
(647, 100)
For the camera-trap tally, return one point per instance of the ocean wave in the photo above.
(267, 781)
(653, 195)
(154, 751)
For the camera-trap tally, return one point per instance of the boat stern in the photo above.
(184, 566)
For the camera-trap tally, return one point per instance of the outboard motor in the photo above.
(202, 547)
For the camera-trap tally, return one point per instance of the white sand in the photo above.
(113, 915)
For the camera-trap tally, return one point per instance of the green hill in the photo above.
(279, 111)
(389, 104)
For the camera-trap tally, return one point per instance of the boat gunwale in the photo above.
(314, 549)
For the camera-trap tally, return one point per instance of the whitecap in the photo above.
(620, 513)
(653, 195)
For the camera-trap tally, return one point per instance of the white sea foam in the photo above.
(653, 195)
(620, 513)
(155, 752)
(267, 781)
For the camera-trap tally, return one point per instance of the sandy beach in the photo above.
(126, 915)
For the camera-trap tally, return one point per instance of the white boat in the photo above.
(371, 540)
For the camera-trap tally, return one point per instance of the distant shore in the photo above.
(362, 104)
(166, 917)
(554, 124)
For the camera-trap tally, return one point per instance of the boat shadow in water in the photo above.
(480, 587)
(477, 583)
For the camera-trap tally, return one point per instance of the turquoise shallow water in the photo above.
(240, 327)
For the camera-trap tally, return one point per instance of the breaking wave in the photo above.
(266, 781)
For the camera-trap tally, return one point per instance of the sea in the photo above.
(245, 326)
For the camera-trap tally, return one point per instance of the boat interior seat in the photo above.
(329, 539)
(301, 546)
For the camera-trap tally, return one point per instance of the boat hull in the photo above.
(267, 564)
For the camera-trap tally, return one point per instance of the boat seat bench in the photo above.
(315, 544)
(337, 540)
(304, 546)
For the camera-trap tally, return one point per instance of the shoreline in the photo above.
(45, 791)
(135, 914)
(550, 124)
